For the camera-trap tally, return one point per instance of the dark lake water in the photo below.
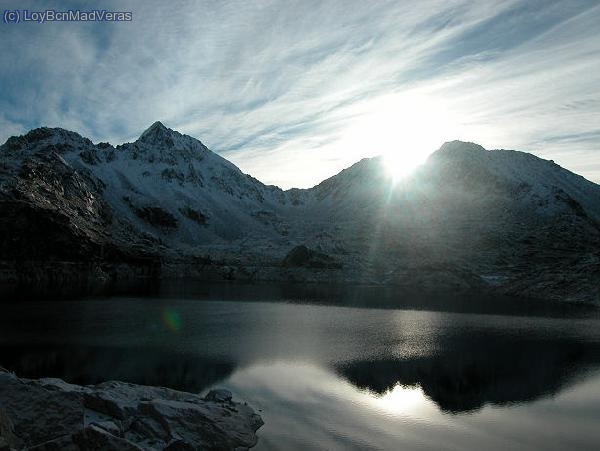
(334, 376)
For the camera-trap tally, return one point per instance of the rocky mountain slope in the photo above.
(73, 212)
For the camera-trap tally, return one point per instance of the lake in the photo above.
(327, 376)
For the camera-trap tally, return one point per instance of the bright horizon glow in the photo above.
(400, 165)
(404, 128)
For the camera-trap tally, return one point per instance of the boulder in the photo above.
(50, 414)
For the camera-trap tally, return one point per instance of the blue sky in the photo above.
(294, 91)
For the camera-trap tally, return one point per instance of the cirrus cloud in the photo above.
(294, 91)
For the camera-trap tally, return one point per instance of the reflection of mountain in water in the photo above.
(471, 373)
(461, 361)
(467, 375)
(92, 365)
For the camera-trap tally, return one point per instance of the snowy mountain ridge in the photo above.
(161, 170)
(469, 218)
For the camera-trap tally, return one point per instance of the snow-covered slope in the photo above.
(166, 186)
(468, 217)
(205, 198)
(506, 218)
(466, 171)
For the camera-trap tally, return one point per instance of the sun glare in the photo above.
(404, 128)
(402, 400)
(400, 164)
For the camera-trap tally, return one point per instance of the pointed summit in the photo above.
(159, 125)
(157, 133)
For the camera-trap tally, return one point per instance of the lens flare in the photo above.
(171, 319)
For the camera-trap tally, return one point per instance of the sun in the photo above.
(404, 128)
(400, 163)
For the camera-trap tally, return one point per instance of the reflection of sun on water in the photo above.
(401, 400)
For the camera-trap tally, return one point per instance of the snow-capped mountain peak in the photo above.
(457, 145)
(158, 134)
(44, 136)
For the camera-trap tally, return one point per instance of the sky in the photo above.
(294, 91)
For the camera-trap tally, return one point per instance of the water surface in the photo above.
(334, 377)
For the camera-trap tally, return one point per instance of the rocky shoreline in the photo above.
(50, 414)
(577, 283)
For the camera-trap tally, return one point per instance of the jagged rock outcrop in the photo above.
(47, 414)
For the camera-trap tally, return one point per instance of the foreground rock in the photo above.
(50, 414)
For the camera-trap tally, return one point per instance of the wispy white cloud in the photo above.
(294, 91)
